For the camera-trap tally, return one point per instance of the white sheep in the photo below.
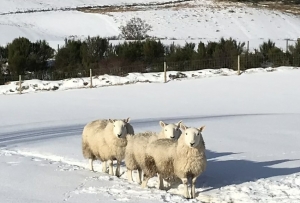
(106, 140)
(184, 158)
(135, 150)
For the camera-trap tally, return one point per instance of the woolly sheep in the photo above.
(135, 150)
(184, 158)
(106, 140)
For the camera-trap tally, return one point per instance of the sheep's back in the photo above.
(162, 152)
(92, 137)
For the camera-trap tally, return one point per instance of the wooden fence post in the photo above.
(91, 78)
(239, 66)
(247, 46)
(20, 84)
(165, 72)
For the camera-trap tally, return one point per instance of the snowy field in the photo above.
(252, 135)
(192, 22)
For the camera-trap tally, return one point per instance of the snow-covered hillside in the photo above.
(252, 135)
(8, 6)
(191, 21)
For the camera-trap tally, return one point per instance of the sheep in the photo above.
(106, 140)
(184, 158)
(135, 150)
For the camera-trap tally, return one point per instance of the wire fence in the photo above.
(243, 62)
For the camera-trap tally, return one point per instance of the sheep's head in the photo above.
(171, 131)
(119, 127)
(192, 136)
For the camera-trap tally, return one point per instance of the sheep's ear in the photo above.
(127, 120)
(162, 124)
(182, 126)
(112, 121)
(201, 128)
(178, 124)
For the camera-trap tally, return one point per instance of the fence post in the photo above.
(20, 84)
(91, 78)
(165, 72)
(239, 66)
(247, 46)
(287, 46)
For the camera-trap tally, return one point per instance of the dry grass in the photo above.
(271, 5)
(219, 5)
(110, 9)
(279, 6)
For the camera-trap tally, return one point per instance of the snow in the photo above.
(20, 5)
(199, 21)
(34, 85)
(251, 134)
(252, 120)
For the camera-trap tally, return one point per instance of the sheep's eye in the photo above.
(186, 133)
(165, 129)
(114, 126)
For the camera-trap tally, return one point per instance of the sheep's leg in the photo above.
(129, 175)
(91, 164)
(103, 166)
(111, 171)
(161, 182)
(118, 169)
(145, 181)
(186, 191)
(193, 189)
(139, 176)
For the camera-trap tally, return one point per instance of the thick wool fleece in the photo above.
(135, 150)
(171, 158)
(98, 141)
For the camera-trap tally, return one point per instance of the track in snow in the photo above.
(17, 137)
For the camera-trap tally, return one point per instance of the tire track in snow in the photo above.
(22, 136)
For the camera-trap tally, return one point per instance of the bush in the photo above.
(68, 58)
(24, 55)
(3, 53)
(135, 29)
(93, 50)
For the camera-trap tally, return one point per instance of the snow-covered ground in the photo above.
(13, 87)
(252, 135)
(20, 5)
(192, 22)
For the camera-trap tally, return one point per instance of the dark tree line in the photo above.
(148, 55)
(25, 56)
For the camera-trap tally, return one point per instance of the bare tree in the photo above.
(135, 29)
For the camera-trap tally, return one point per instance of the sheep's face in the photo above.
(192, 136)
(171, 131)
(119, 127)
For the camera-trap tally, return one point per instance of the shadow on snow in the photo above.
(220, 173)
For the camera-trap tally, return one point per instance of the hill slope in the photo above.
(191, 21)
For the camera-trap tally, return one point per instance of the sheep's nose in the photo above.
(119, 135)
(192, 144)
(173, 137)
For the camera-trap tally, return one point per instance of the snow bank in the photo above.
(131, 78)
